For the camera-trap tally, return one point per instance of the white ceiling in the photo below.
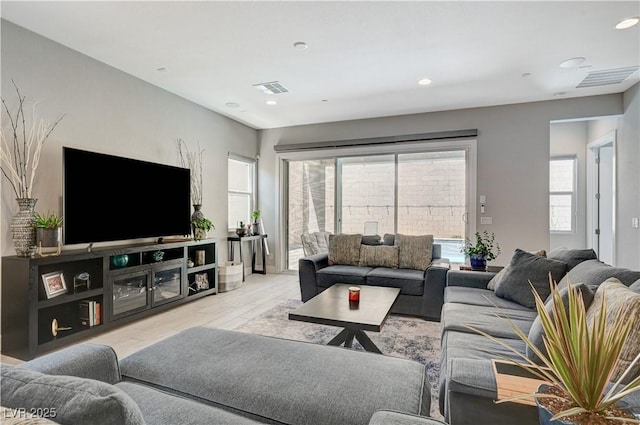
(364, 59)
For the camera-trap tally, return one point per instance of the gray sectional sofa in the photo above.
(467, 383)
(421, 291)
(212, 376)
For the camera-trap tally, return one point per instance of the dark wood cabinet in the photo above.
(113, 285)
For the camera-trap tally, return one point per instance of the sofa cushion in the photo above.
(572, 257)
(536, 332)
(344, 249)
(76, 400)
(410, 282)
(618, 296)
(479, 297)
(493, 283)
(594, 272)
(161, 408)
(388, 239)
(327, 276)
(415, 251)
(491, 320)
(524, 271)
(387, 417)
(318, 384)
(379, 256)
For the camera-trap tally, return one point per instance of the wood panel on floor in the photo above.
(227, 310)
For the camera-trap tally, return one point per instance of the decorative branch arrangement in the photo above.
(21, 146)
(193, 161)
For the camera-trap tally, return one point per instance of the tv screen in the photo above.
(111, 198)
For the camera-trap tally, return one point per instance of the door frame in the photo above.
(592, 189)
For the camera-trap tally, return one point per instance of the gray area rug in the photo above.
(401, 336)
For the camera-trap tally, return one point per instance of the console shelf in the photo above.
(54, 301)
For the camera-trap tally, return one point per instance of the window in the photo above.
(562, 194)
(241, 180)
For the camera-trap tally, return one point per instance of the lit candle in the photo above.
(354, 293)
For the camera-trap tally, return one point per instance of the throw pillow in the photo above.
(500, 275)
(344, 249)
(415, 251)
(379, 256)
(524, 271)
(572, 257)
(388, 239)
(635, 286)
(536, 332)
(371, 240)
(618, 297)
(594, 272)
(76, 400)
(20, 417)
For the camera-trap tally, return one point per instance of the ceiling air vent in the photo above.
(608, 76)
(273, 87)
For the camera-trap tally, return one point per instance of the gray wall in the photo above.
(513, 154)
(112, 112)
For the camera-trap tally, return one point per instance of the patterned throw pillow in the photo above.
(344, 249)
(618, 296)
(379, 256)
(414, 251)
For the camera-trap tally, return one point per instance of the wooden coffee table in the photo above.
(331, 307)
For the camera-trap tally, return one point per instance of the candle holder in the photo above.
(354, 293)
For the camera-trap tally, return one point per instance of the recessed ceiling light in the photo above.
(627, 23)
(572, 63)
(526, 74)
(300, 45)
(271, 102)
(560, 93)
(425, 82)
(325, 100)
(161, 69)
(232, 105)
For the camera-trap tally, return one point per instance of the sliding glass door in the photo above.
(409, 193)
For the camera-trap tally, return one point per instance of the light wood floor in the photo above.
(227, 310)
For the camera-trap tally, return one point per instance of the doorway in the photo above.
(601, 197)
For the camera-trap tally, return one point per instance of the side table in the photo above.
(262, 241)
(493, 269)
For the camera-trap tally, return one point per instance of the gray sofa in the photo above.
(212, 376)
(421, 291)
(467, 383)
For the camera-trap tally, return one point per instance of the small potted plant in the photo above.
(200, 228)
(484, 249)
(580, 362)
(48, 230)
(255, 215)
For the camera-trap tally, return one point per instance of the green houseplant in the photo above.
(579, 362)
(200, 228)
(255, 215)
(484, 249)
(48, 229)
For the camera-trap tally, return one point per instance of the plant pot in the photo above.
(478, 262)
(49, 238)
(199, 234)
(544, 414)
(255, 228)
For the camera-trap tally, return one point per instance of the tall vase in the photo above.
(197, 214)
(23, 231)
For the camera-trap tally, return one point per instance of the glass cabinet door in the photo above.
(167, 285)
(129, 293)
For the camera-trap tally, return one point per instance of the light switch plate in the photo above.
(486, 220)
(635, 222)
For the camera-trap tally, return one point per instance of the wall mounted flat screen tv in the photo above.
(111, 198)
